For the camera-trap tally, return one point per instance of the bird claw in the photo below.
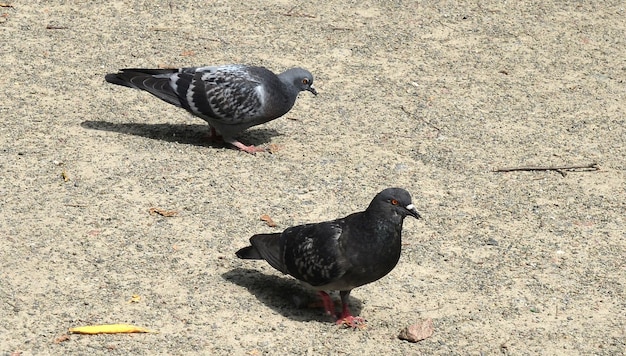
(354, 322)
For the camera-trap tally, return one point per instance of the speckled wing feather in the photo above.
(230, 94)
(313, 253)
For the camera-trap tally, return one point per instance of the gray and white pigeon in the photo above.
(341, 254)
(231, 98)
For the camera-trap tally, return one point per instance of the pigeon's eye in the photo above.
(394, 202)
(305, 81)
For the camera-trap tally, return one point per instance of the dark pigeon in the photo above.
(341, 254)
(231, 98)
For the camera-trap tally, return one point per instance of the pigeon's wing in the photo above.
(229, 94)
(155, 81)
(312, 252)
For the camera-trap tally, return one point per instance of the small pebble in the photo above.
(492, 242)
(418, 332)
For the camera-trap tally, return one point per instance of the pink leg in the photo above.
(329, 306)
(346, 317)
(214, 136)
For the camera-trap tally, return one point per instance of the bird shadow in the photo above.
(189, 134)
(286, 296)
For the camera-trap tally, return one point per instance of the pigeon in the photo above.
(340, 254)
(231, 98)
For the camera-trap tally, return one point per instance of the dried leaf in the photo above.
(65, 176)
(268, 220)
(418, 332)
(109, 329)
(163, 212)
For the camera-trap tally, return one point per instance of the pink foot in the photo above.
(214, 136)
(250, 149)
(354, 322)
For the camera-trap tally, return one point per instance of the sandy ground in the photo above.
(429, 96)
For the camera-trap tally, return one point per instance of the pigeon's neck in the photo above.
(385, 223)
(282, 96)
(381, 237)
(374, 212)
(291, 92)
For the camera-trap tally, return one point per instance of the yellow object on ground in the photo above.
(109, 329)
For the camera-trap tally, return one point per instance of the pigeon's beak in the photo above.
(312, 90)
(412, 211)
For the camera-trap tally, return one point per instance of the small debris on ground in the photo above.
(268, 220)
(163, 212)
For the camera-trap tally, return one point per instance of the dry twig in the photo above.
(339, 28)
(559, 169)
(55, 27)
(76, 205)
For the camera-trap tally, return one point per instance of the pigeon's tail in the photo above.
(154, 81)
(264, 247)
(249, 253)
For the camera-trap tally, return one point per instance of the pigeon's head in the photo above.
(301, 78)
(396, 200)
